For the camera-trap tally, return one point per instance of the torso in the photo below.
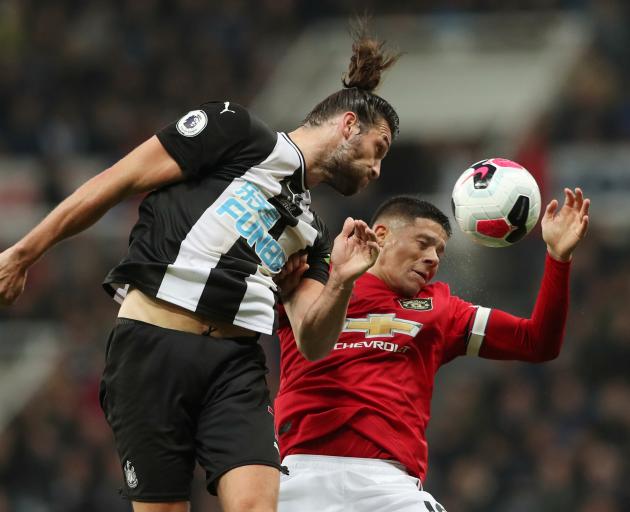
(212, 243)
(377, 382)
(141, 307)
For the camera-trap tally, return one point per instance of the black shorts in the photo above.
(173, 397)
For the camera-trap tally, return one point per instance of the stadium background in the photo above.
(81, 83)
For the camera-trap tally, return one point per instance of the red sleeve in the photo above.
(462, 315)
(540, 337)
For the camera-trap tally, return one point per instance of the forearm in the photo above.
(76, 213)
(323, 321)
(540, 337)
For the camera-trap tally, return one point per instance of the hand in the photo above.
(563, 229)
(291, 274)
(354, 251)
(12, 277)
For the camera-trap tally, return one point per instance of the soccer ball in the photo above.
(496, 202)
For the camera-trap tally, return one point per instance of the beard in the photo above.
(343, 173)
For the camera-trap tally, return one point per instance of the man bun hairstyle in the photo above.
(408, 208)
(369, 60)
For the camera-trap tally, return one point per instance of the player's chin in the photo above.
(410, 289)
(351, 189)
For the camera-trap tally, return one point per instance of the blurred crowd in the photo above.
(100, 76)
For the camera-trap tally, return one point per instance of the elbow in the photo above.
(547, 355)
(550, 356)
(542, 347)
(311, 351)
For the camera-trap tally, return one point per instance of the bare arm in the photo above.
(317, 312)
(147, 167)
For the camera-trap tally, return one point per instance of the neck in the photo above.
(376, 271)
(314, 142)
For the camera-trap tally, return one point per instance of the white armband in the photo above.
(478, 331)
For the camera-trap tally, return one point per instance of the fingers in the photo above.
(348, 227)
(375, 249)
(579, 198)
(359, 229)
(583, 226)
(574, 199)
(584, 218)
(291, 274)
(585, 206)
(294, 262)
(363, 232)
(551, 209)
(579, 202)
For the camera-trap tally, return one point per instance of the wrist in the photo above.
(22, 257)
(337, 282)
(559, 256)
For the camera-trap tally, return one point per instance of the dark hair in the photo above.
(410, 208)
(367, 63)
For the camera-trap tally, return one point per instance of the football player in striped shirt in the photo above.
(351, 425)
(228, 203)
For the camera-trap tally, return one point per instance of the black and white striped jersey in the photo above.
(212, 242)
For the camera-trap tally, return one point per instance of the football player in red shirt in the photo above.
(351, 425)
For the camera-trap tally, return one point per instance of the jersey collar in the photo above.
(300, 176)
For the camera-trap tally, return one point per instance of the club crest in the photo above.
(425, 304)
(130, 475)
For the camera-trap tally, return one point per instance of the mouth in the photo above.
(423, 275)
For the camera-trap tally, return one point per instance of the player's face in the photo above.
(410, 256)
(357, 160)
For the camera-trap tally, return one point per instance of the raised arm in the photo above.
(316, 311)
(147, 167)
(540, 337)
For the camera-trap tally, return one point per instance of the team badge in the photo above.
(417, 304)
(130, 475)
(192, 123)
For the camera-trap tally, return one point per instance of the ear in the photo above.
(382, 232)
(349, 124)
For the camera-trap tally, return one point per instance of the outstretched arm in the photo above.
(316, 311)
(147, 167)
(540, 337)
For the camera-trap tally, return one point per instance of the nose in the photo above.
(431, 257)
(376, 170)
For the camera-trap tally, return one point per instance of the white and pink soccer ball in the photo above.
(496, 202)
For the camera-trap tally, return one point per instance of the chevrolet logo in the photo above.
(382, 325)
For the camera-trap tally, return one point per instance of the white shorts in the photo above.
(319, 483)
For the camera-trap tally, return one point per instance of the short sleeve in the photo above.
(203, 137)
(318, 258)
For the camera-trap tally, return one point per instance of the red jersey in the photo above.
(371, 396)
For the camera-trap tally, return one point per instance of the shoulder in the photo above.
(436, 288)
(228, 115)
(439, 292)
(237, 122)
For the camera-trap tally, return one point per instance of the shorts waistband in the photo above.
(335, 463)
(331, 461)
